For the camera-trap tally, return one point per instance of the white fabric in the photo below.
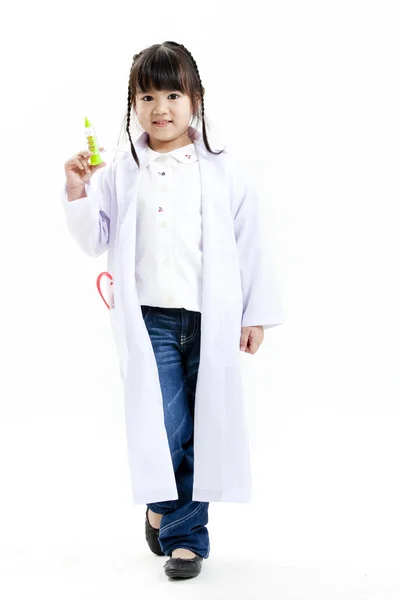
(239, 289)
(169, 230)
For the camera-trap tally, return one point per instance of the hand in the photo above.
(78, 170)
(251, 338)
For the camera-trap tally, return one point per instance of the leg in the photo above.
(175, 338)
(185, 527)
(163, 326)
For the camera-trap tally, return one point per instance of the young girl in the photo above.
(194, 285)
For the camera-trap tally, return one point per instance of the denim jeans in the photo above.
(175, 337)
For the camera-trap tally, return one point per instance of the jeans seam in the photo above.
(189, 339)
(146, 314)
(183, 519)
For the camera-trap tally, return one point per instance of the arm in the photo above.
(261, 295)
(88, 217)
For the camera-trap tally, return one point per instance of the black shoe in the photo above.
(183, 568)
(152, 534)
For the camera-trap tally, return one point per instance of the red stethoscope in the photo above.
(98, 284)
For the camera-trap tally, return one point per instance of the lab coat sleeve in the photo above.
(88, 218)
(262, 303)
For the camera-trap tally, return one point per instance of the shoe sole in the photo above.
(176, 574)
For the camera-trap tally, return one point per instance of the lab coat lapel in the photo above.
(151, 469)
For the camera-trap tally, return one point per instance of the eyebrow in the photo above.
(170, 91)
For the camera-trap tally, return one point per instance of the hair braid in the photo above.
(207, 145)
(128, 118)
(198, 75)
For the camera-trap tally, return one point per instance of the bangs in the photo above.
(160, 71)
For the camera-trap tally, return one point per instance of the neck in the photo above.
(169, 145)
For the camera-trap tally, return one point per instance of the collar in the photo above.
(185, 154)
(141, 145)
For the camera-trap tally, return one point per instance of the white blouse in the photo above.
(169, 230)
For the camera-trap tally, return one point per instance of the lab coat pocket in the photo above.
(232, 301)
(232, 314)
(118, 329)
(238, 469)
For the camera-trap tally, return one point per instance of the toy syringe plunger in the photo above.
(95, 158)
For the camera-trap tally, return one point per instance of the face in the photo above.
(165, 105)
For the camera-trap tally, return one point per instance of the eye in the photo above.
(152, 96)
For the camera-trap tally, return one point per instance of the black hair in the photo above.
(166, 66)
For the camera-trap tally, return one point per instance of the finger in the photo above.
(88, 152)
(83, 153)
(253, 346)
(85, 161)
(77, 162)
(250, 348)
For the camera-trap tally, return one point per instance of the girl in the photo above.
(193, 285)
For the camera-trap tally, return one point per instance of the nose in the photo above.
(160, 108)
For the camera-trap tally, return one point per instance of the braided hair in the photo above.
(167, 66)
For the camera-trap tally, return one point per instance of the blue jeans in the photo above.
(175, 337)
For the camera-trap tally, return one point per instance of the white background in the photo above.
(312, 88)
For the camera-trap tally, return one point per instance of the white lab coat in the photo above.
(239, 289)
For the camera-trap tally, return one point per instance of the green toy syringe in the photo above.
(95, 158)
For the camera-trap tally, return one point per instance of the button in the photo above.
(163, 223)
(170, 298)
(164, 188)
(166, 262)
